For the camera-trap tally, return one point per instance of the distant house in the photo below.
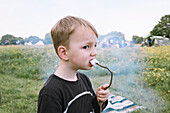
(28, 43)
(157, 40)
(39, 43)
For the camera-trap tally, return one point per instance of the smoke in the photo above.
(128, 79)
(49, 62)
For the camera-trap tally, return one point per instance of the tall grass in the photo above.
(157, 72)
(140, 74)
(26, 61)
(20, 61)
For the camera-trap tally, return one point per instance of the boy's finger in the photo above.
(105, 86)
(101, 99)
(103, 92)
(102, 95)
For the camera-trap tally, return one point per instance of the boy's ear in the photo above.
(62, 52)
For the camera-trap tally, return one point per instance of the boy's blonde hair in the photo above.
(62, 30)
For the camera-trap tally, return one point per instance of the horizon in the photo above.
(47, 33)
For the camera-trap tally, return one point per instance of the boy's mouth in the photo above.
(90, 64)
(94, 62)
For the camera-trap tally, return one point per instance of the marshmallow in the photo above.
(94, 62)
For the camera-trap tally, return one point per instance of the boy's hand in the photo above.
(102, 94)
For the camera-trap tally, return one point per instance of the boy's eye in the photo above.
(86, 47)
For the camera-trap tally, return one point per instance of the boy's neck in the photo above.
(65, 72)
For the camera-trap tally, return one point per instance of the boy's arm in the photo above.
(96, 105)
(94, 98)
(102, 94)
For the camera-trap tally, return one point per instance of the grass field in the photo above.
(140, 74)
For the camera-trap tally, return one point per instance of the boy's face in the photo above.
(82, 48)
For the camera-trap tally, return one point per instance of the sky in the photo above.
(24, 18)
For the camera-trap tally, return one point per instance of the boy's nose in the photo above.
(94, 52)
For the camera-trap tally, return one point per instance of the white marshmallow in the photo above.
(94, 62)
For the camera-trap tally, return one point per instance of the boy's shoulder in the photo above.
(51, 84)
(54, 82)
(58, 86)
(82, 76)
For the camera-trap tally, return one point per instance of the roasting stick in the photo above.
(94, 62)
(111, 75)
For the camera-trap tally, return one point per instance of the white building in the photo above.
(39, 43)
(28, 43)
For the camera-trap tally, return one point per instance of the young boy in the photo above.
(69, 91)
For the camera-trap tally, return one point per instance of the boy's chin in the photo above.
(89, 68)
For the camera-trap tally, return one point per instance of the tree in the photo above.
(48, 39)
(11, 40)
(162, 28)
(32, 39)
(137, 39)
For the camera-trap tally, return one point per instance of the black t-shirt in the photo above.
(62, 96)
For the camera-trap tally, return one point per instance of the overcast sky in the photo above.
(23, 18)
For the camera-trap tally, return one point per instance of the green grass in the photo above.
(27, 61)
(18, 95)
(140, 75)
